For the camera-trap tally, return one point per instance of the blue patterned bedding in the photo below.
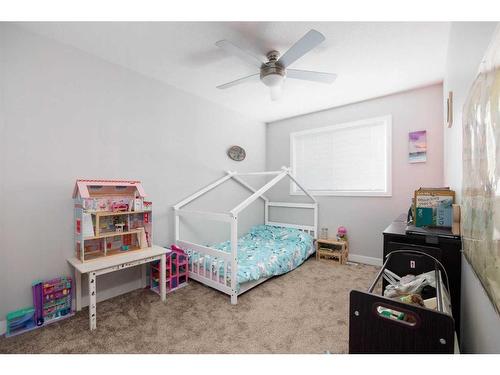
(264, 251)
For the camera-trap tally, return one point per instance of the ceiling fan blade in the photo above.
(241, 53)
(301, 47)
(275, 92)
(311, 76)
(250, 78)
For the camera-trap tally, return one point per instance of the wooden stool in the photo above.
(332, 249)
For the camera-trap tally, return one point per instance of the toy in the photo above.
(52, 301)
(114, 227)
(138, 204)
(391, 314)
(37, 291)
(177, 271)
(341, 234)
(20, 321)
(119, 207)
(102, 204)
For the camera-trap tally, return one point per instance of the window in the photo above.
(345, 159)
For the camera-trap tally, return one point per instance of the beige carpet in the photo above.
(304, 311)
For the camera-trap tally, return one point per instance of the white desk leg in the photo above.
(144, 272)
(163, 277)
(78, 291)
(92, 300)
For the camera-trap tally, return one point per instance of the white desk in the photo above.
(113, 263)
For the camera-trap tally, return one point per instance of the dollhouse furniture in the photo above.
(107, 264)
(332, 249)
(110, 217)
(176, 270)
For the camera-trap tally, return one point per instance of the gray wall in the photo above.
(467, 45)
(366, 217)
(66, 114)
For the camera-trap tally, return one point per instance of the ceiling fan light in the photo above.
(272, 80)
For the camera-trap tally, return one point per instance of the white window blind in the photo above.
(345, 159)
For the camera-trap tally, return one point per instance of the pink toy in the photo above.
(119, 207)
(177, 271)
(342, 233)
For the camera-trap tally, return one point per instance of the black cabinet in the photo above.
(446, 249)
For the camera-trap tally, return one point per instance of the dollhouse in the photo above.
(111, 217)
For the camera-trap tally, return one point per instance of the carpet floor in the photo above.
(304, 311)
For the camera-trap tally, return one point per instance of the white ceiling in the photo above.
(371, 58)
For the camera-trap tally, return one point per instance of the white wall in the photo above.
(467, 45)
(366, 217)
(480, 322)
(65, 114)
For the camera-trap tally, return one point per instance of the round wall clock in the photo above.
(236, 153)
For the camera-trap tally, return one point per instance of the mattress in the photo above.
(265, 251)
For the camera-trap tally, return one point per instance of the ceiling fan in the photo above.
(273, 72)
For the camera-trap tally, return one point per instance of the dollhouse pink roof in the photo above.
(81, 186)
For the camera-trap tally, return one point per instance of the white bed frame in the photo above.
(211, 277)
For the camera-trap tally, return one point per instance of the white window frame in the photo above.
(387, 120)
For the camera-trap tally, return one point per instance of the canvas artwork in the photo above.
(417, 146)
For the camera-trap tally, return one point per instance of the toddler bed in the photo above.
(237, 265)
(263, 252)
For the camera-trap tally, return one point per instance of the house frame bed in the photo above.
(211, 277)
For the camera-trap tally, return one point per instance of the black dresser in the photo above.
(445, 248)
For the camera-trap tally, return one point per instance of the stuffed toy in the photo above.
(341, 234)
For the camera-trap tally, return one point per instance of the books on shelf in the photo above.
(433, 207)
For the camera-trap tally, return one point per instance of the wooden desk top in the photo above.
(115, 260)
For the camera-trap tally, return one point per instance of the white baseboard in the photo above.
(365, 260)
